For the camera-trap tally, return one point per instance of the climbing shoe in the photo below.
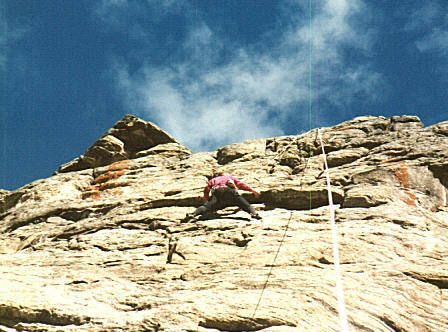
(190, 217)
(255, 216)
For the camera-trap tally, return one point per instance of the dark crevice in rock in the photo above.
(370, 144)
(325, 304)
(367, 130)
(4, 215)
(361, 327)
(439, 281)
(328, 149)
(361, 202)
(296, 199)
(17, 223)
(242, 325)
(324, 260)
(159, 253)
(73, 214)
(337, 163)
(440, 128)
(152, 226)
(224, 159)
(102, 248)
(397, 152)
(124, 248)
(10, 200)
(173, 192)
(10, 316)
(93, 226)
(79, 214)
(138, 306)
(292, 162)
(415, 156)
(74, 230)
(440, 172)
(240, 239)
(403, 224)
(391, 324)
(113, 262)
(172, 202)
(77, 282)
(241, 242)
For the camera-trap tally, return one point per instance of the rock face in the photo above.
(128, 139)
(87, 249)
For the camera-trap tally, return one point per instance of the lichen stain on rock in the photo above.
(411, 199)
(402, 175)
(107, 180)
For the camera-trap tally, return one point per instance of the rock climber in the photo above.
(220, 192)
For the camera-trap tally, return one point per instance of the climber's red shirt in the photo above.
(221, 181)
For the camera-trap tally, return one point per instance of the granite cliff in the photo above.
(99, 245)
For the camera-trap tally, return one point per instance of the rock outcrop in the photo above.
(129, 138)
(100, 245)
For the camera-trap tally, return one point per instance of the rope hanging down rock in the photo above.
(339, 289)
(284, 233)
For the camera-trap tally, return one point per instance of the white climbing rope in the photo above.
(337, 265)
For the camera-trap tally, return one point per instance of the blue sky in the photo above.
(210, 72)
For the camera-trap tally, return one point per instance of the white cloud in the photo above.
(437, 41)
(206, 101)
(191, 111)
(8, 35)
(431, 21)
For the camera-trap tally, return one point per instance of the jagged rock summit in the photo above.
(130, 138)
(87, 249)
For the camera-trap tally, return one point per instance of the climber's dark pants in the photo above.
(224, 197)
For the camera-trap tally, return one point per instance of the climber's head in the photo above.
(216, 172)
